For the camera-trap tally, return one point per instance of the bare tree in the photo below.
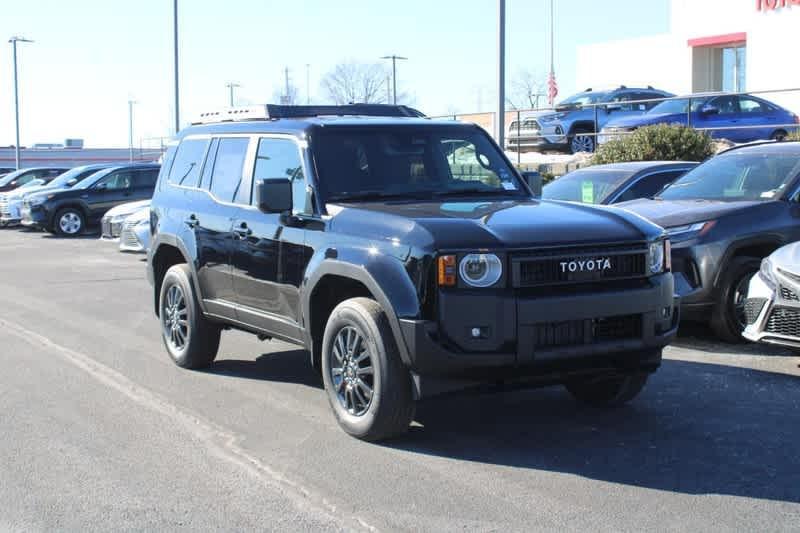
(354, 82)
(528, 90)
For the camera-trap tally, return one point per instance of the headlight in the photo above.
(551, 118)
(682, 233)
(143, 222)
(37, 200)
(480, 270)
(657, 256)
(119, 219)
(766, 272)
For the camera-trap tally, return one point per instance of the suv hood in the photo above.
(489, 224)
(671, 213)
(126, 209)
(44, 192)
(19, 193)
(646, 120)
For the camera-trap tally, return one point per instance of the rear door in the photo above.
(270, 255)
(759, 119)
(722, 125)
(144, 183)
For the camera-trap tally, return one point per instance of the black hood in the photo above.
(488, 224)
(671, 213)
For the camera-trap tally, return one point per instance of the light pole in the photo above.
(501, 73)
(130, 128)
(175, 51)
(14, 40)
(394, 59)
(232, 85)
(308, 84)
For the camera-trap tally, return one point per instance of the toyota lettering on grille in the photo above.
(586, 265)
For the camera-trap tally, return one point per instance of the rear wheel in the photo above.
(69, 222)
(368, 387)
(191, 340)
(608, 391)
(779, 136)
(729, 319)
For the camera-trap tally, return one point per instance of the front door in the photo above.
(111, 191)
(270, 255)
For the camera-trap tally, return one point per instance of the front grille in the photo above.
(753, 308)
(109, 229)
(784, 322)
(4, 205)
(583, 332)
(527, 125)
(579, 265)
(789, 294)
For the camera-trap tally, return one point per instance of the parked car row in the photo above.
(591, 118)
(68, 202)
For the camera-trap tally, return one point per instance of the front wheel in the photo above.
(729, 319)
(582, 141)
(611, 391)
(368, 387)
(69, 222)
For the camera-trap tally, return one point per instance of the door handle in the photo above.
(192, 221)
(242, 231)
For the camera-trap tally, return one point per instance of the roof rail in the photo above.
(274, 112)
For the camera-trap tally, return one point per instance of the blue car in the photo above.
(737, 118)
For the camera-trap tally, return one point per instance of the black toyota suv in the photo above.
(723, 218)
(69, 212)
(406, 255)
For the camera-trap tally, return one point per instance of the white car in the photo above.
(111, 223)
(135, 235)
(772, 307)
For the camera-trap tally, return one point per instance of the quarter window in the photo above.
(280, 158)
(187, 163)
(145, 178)
(226, 177)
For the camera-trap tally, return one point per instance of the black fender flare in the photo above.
(581, 124)
(771, 240)
(384, 276)
(73, 203)
(163, 239)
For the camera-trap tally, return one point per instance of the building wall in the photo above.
(666, 61)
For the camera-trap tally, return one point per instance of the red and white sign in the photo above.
(772, 5)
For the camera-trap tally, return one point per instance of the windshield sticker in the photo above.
(768, 194)
(507, 185)
(587, 192)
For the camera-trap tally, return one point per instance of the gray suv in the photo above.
(573, 123)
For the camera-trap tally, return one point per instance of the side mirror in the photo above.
(101, 186)
(274, 195)
(710, 110)
(534, 181)
(71, 182)
(610, 108)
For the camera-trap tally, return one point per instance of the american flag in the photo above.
(552, 87)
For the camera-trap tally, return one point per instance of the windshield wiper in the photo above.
(365, 196)
(471, 191)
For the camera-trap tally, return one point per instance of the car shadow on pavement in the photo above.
(696, 429)
(700, 338)
(291, 366)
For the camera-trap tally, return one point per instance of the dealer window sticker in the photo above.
(587, 192)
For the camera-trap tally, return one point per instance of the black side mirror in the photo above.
(71, 182)
(710, 110)
(101, 186)
(534, 181)
(274, 195)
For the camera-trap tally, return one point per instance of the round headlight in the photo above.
(657, 257)
(480, 270)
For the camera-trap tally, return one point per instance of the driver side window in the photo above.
(115, 181)
(467, 164)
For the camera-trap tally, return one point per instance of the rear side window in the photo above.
(187, 162)
(228, 165)
(649, 186)
(280, 158)
(145, 178)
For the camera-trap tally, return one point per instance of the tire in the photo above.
(779, 136)
(69, 222)
(191, 340)
(727, 320)
(608, 392)
(580, 142)
(390, 408)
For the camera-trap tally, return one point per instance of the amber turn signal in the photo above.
(447, 271)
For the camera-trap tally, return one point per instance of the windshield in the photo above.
(581, 99)
(8, 178)
(586, 186)
(75, 173)
(737, 176)
(416, 162)
(87, 182)
(675, 107)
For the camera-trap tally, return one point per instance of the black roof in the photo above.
(635, 167)
(767, 147)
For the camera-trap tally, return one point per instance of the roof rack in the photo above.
(274, 112)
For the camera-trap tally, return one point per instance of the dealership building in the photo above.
(712, 45)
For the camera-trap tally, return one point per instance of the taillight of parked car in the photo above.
(797, 119)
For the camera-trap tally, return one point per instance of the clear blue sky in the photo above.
(91, 56)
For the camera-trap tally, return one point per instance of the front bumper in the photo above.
(773, 312)
(549, 137)
(695, 268)
(109, 229)
(529, 335)
(134, 238)
(34, 217)
(10, 213)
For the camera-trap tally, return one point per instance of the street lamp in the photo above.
(232, 85)
(394, 59)
(14, 40)
(175, 53)
(501, 73)
(130, 128)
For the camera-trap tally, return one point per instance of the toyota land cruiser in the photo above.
(406, 255)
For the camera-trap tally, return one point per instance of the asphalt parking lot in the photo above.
(100, 430)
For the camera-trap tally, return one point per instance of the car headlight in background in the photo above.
(480, 270)
(766, 272)
(689, 231)
(551, 118)
(37, 200)
(143, 222)
(659, 251)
